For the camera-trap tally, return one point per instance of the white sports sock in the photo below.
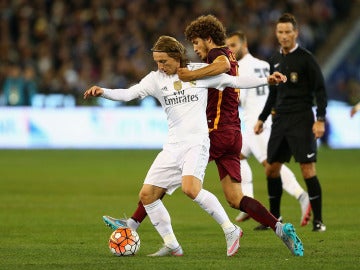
(133, 224)
(160, 218)
(211, 205)
(247, 185)
(278, 229)
(289, 182)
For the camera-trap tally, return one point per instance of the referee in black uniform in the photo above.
(294, 129)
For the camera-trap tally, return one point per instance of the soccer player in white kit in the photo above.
(185, 155)
(252, 102)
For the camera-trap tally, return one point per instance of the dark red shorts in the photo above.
(225, 148)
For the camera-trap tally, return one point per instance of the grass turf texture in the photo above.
(51, 203)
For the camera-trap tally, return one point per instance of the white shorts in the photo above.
(256, 144)
(177, 160)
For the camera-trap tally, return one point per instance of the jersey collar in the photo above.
(293, 49)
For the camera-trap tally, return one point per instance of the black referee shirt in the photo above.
(305, 84)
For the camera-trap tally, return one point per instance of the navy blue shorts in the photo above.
(292, 135)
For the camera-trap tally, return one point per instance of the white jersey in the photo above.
(187, 149)
(252, 102)
(184, 102)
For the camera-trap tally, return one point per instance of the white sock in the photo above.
(160, 218)
(246, 178)
(213, 207)
(289, 182)
(133, 224)
(278, 229)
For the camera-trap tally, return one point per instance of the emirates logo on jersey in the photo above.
(180, 98)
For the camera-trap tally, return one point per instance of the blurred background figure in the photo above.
(19, 86)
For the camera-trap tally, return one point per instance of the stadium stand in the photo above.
(74, 44)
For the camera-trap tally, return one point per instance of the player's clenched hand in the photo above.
(277, 78)
(259, 127)
(94, 91)
(318, 129)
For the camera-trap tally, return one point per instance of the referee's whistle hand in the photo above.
(258, 128)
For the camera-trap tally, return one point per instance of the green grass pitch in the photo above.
(52, 201)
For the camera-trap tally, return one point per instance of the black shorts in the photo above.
(292, 135)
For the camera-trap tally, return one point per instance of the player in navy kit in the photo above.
(294, 130)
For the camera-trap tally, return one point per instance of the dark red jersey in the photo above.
(222, 108)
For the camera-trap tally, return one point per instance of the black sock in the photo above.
(314, 190)
(274, 192)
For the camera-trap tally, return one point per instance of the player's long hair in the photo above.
(204, 27)
(173, 48)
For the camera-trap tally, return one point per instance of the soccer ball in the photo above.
(124, 242)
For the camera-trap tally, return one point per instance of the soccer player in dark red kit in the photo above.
(208, 35)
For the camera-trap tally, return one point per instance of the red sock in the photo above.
(140, 213)
(258, 212)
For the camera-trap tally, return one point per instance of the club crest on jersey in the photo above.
(294, 77)
(177, 85)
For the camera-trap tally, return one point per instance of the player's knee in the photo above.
(234, 204)
(308, 170)
(146, 197)
(272, 171)
(190, 192)
(234, 201)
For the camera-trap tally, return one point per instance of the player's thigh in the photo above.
(246, 142)
(225, 150)
(278, 149)
(302, 140)
(195, 158)
(165, 171)
(259, 144)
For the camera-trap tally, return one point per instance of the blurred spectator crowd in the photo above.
(62, 47)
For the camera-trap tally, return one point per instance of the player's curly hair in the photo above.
(206, 26)
(172, 47)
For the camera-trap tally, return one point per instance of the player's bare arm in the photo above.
(355, 109)
(94, 91)
(276, 78)
(318, 129)
(259, 127)
(220, 65)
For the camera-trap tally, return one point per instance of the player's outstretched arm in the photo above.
(276, 78)
(114, 94)
(242, 81)
(219, 66)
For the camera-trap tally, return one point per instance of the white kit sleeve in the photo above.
(147, 86)
(224, 80)
(121, 94)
